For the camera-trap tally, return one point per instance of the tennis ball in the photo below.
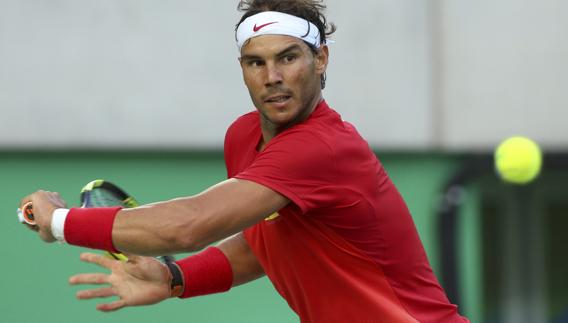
(518, 160)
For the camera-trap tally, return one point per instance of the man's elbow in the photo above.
(197, 226)
(189, 241)
(194, 236)
(184, 226)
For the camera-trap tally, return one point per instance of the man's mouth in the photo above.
(277, 98)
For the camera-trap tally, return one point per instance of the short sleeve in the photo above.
(297, 164)
(240, 143)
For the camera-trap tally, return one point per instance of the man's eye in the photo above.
(255, 63)
(288, 58)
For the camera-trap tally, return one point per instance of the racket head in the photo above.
(101, 193)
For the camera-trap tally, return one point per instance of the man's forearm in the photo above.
(156, 229)
(243, 261)
(191, 223)
(180, 225)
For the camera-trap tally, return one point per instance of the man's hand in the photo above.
(139, 281)
(44, 203)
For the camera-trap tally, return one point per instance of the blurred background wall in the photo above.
(142, 92)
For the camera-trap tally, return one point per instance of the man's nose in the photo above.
(273, 74)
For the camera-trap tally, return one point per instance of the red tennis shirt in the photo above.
(345, 249)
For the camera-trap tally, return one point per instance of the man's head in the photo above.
(283, 57)
(309, 10)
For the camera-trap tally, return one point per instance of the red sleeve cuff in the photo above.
(207, 272)
(91, 227)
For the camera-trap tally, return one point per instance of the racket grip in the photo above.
(122, 257)
(26, 214)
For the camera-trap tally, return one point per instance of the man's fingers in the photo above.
(56, 199)
(109, 307)
(97, 260)
(32, 227)
(96, 278)
(94, 293)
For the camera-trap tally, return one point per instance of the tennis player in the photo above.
(307, 203)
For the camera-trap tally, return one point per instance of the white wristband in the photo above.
(58, 224)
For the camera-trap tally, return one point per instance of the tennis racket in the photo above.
(97, 193)
(101, 193)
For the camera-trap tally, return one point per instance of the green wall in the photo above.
(34, 276)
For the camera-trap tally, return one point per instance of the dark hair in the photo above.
(310, 10)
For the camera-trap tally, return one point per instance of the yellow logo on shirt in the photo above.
(272, 216)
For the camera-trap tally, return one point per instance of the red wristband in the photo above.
(91, 227)
(205, 273)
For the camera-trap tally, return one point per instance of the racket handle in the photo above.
(116, 256)
(26, 214)
(122, 257)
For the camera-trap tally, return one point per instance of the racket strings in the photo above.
(103, 198)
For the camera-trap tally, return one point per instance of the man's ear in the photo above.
(321, 59)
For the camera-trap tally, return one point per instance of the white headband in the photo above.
(277, 23)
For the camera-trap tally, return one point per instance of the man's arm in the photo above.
(244, 263)
(179, 225)
(191, 223)
(145, 281)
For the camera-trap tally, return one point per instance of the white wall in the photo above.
(118, 72)
(505, 71)
(409, 74)
(379, 75)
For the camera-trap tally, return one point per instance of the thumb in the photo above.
(128, 257)
(131, 258)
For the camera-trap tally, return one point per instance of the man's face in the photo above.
(282, 75)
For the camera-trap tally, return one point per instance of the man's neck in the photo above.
(271, 130)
